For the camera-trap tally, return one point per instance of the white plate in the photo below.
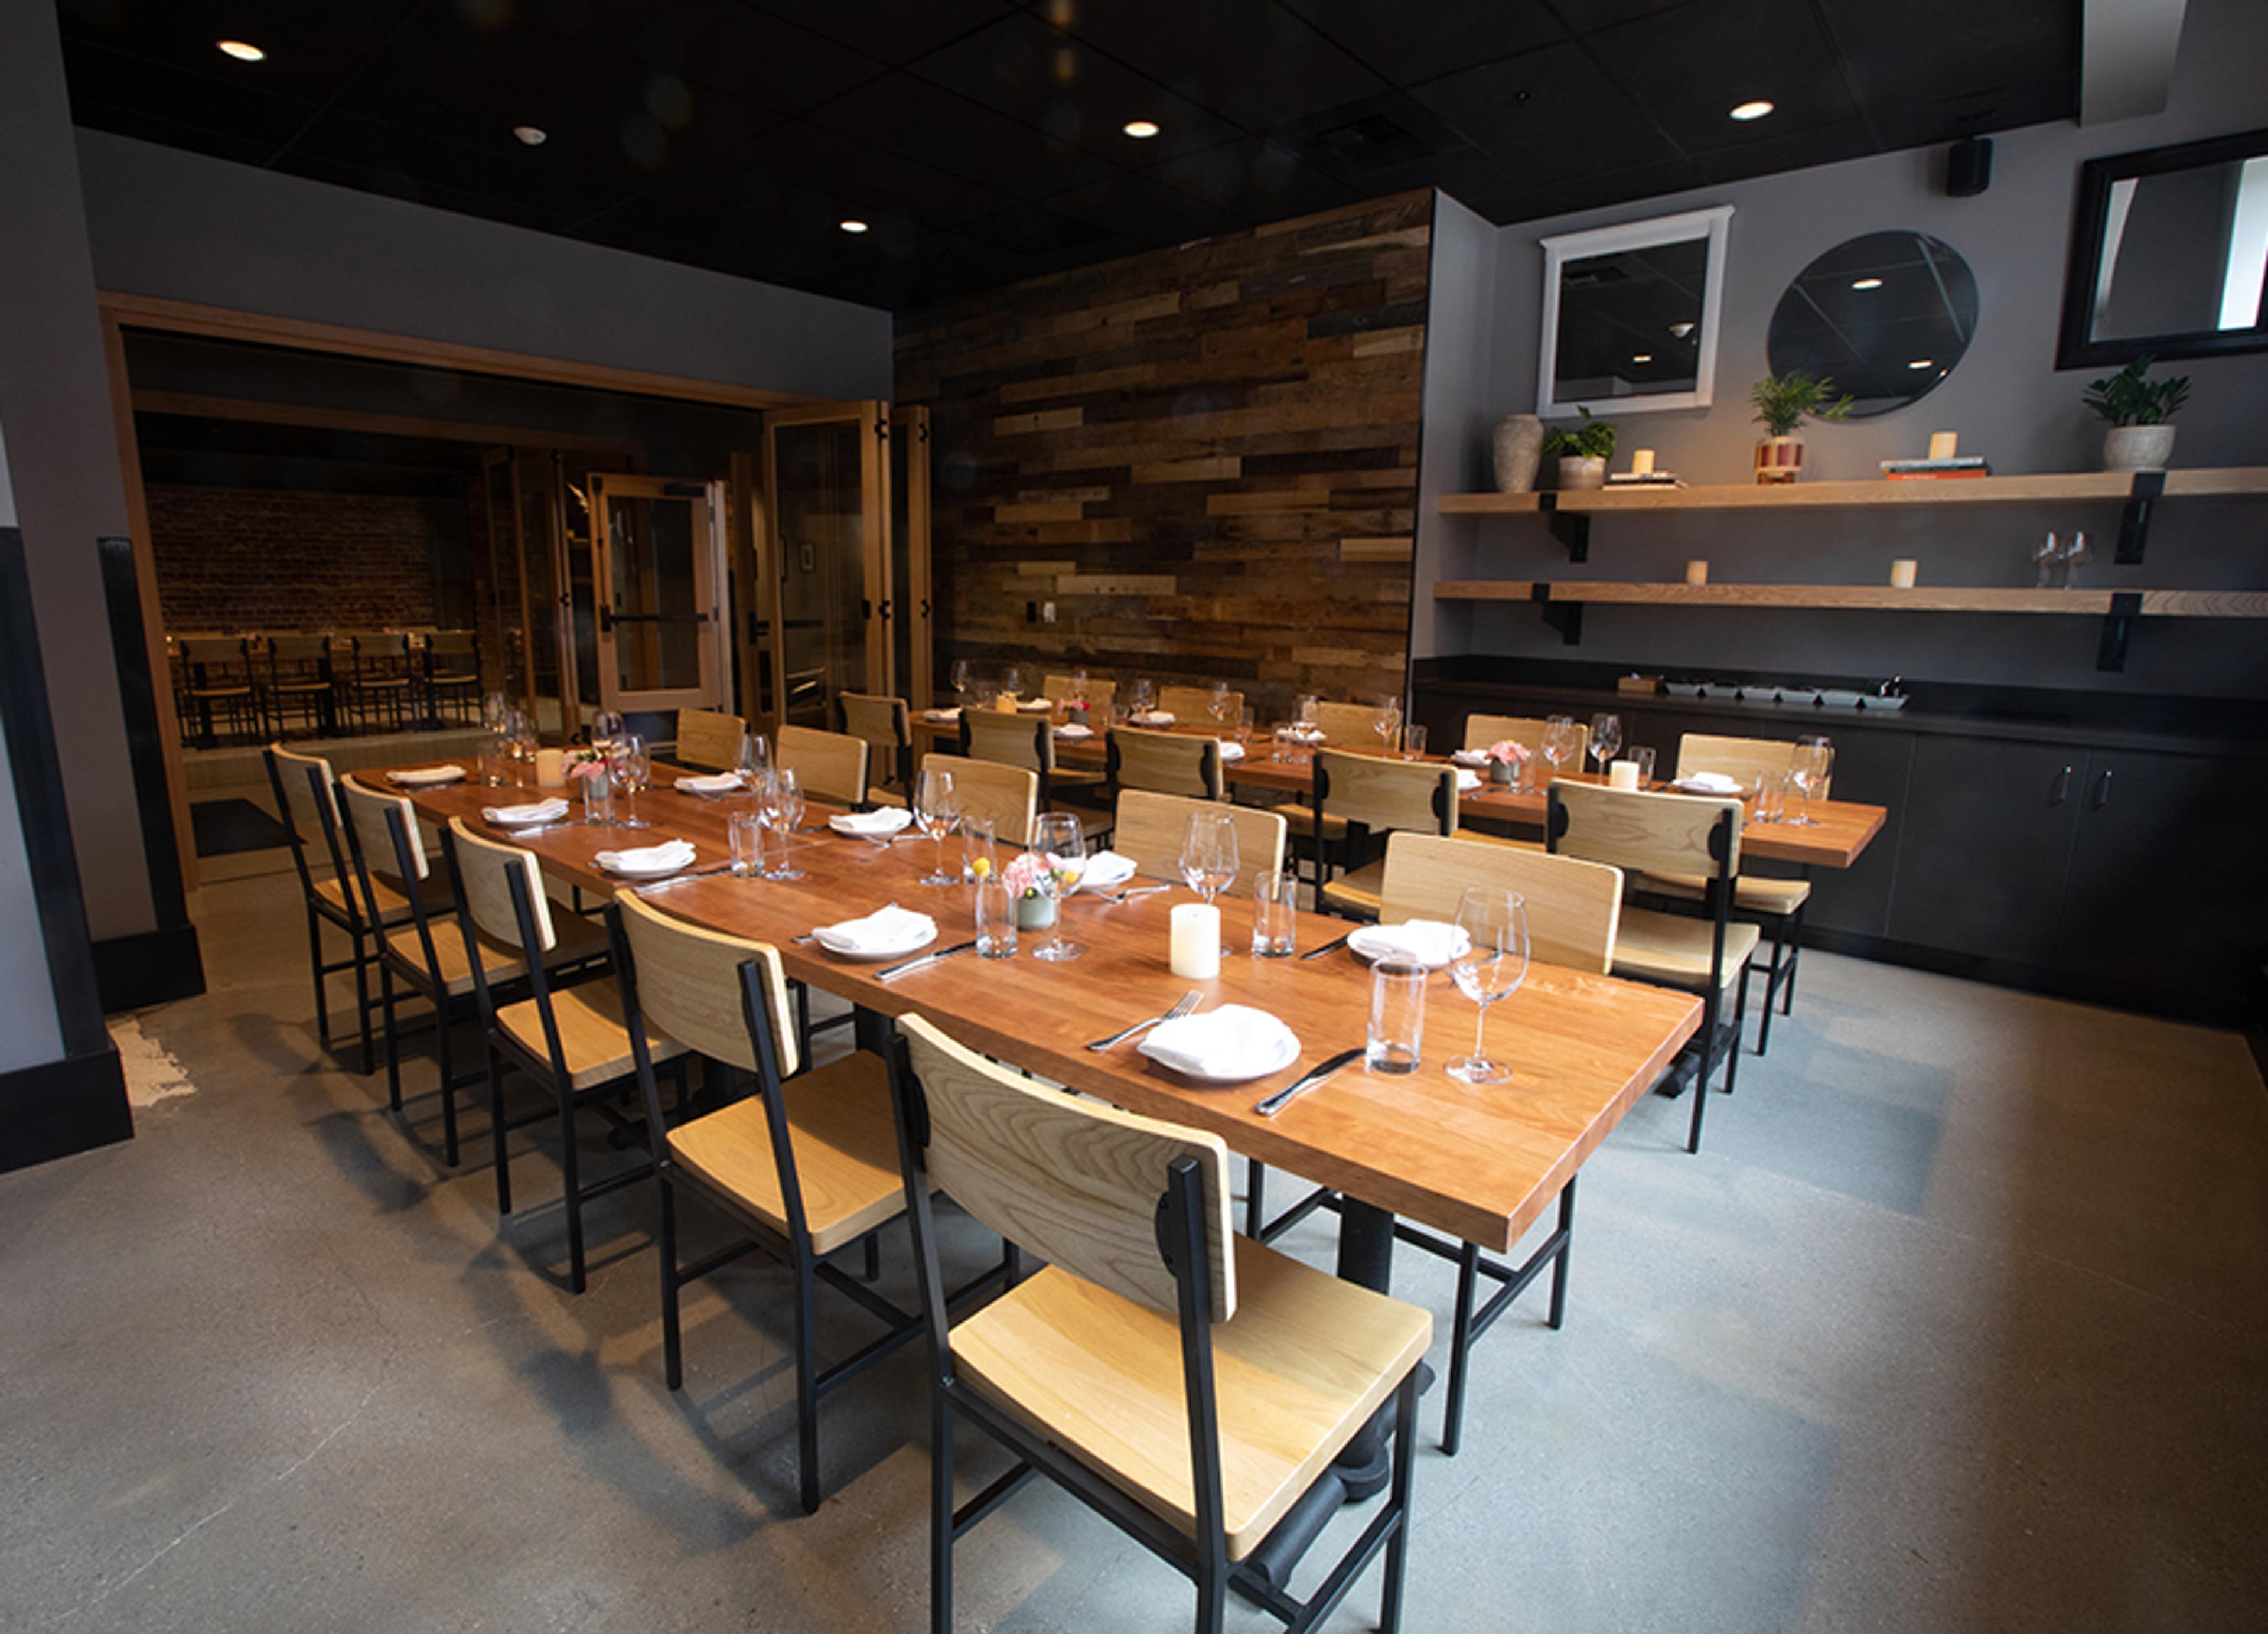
(426, 777)
(1286, 1051)
(826, 941)
(1371, 943)
(712, 787)
(1473, 759)
(502, 821)
(874, 825)
(621, 872)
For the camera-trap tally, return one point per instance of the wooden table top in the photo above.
(1842, 832)
(1480, 1163)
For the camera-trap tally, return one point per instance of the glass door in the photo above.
(547, 656)
(659, 574)
(826, 484)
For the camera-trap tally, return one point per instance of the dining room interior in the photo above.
(769, 764)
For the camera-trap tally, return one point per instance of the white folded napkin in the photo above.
(952, 714)
(871, 825)
(1231, 750)
(1234, 1041)
(1074, 730)
(719, 783)
(1034, 706)
(1467, 779)
(1475, 758)
(1432, 942)
(1107, 871)
(1154, 718)
(1708, 782)
(880, 931)
(670, 854)
(535, 811)
(425, 777)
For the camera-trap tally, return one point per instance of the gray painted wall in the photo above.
(1453, 453)
(186, 227)
(2006, 399)
(29, 1035)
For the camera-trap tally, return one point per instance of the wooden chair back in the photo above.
(1098, 693)
(310, 818)
(384, 647)
(829, 765)
(367, 810)
(1349, 726)
(1192, 706)
(1006, 740)
(224, 652)
(305, 650)
(1574, 906)
(1642, 833)
(887, 725)
(1009, 795)
(689, 985)
(1073, 1180)
(1383, 794)
(1746, 761)
(709, 739)
(1151, 827)
(1170, 762)
(1525, 730)
(484, 871)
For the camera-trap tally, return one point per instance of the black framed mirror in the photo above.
(1885, 316)
(2169, 255)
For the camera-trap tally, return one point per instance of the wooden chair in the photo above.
(453, 676)
(708, 741)
(1025, 740)
(1187, 1383)
(1670, 834)
(574, 1040)
(1009, 795)
(382, 679)
(1151, 827)
(1192, 706)
(1349, 726)
(807, 1164)
(830, 765)
(300, 680)
(1526, 730)
(1374, 795)
(219, 671)
(887, 725)
(1098, 693)
(427, 949)
(1170, 762)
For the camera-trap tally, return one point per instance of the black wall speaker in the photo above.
(1969, 166)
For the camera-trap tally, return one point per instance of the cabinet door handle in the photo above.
(2102, 795)
(2062, 791)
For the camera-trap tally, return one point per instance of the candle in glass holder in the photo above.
(1623, 774)
(1901, 573)
(1196, 954)
(1942, 444)
(1642, 462)
(1696, 571)
(550, 769)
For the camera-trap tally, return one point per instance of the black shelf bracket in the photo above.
(2118, 628)
(1566, 617)
(2134, 525)
(1571, 528)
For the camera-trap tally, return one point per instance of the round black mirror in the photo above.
(1884, 316)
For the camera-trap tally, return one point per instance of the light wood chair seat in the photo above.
(592, 1039)
(580, 940)
(1305, 1362)
(1676, 950)
(1758, 894)
(846, 1152)
(1301, 818)
(1362, 891)
(386, 896)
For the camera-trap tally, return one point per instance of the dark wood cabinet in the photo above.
(1985, 845)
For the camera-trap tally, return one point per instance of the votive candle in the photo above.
(1642, 462)
(1623, 774)
(551, 768)
(1901, 573)
(1196, 933)
(1696, 571)
(1942, 444)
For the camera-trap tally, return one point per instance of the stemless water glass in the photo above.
(1642, 757)
(1012, 682)
(996, 920)
(1809, 772)
(782, 809)
(1275, 915)
(1606, 739)
(1394, 1042)
(744, 831)
(980, 849)
(1561, 739)
(606, 728)
(1245, 720)
(1209, 858)
(1491, 968)
(937, 808)
(1057, 842)
(634, 772)
(1413, 743)
(598, 788)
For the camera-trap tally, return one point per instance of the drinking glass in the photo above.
(2075, 553)
(1394, 1040)
(634, 771)
(494, 757)
(1643, 759)
(781, 806)
(980, 850)
(1209, 858)
(1606, 737)
(754, 759)
(1303, 709)
(1389, 723)
(1143, 698)
(957, 678)
(745, 831)
(996, 920)
(1492, 967)
(1808, 773)
(1275, 915)
(1217, 706)
(1413, 743)
(1561, 738)
(1012, 682)
(1245, 719)
(937, 808)
(1771, 798)
(597, 796)
(1078, 687)
(1057, 840)
(494, 707)
(1283, 742)
(2047, 553)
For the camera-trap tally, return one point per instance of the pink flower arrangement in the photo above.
(584, 763)
(1506, 752)
(1024, 872)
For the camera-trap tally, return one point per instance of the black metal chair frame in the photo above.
(316, 698)
(440, 687)
(396, 690)
(901, 752)
(1780, 965)
(1203, 1557)
(348, 919)
(241, 704)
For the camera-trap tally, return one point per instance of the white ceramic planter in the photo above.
(1576, 472)
(2138, 447)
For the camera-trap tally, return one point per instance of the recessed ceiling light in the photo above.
(1748, 110)
(534, 135)
(1140, 129)
(1641, 356)
(853, 226)
(1921, 363)
(242, 52)
(1866, 284)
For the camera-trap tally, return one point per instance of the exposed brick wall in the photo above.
(256, 559)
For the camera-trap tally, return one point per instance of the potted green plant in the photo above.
(1582, 451)
(2138, 409)
(1785, 401)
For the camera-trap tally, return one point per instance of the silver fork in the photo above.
(1186, 1003)
(1139, 890)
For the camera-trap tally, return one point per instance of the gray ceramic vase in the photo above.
(1519, 450)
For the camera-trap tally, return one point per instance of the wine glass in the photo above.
(606, 729)
(1209, 858)
(1389, 723)
(1562, 740)
(1012, 682)
(1077, 699)
(937, 809)
(754, 760)
(782, 810)
(2075, 553)
(1057, 842)
(1492, 967)
(957, 678)
(1809, 769)
(1142, 699)
(494, 707)
(1218, 707)
(633, 774)
(2047, 553)
(1606, 739)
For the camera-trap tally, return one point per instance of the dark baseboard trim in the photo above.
(67, 1106)
(2204, 1009)
(131, 971)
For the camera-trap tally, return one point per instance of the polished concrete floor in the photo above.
(1958, 1322)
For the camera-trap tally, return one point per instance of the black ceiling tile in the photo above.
(137, 120)
(1359, 142)
(1449, 36)
(1552, 112)
(1137, 207)
(1622, 186)
(866, 179)
(254, 115)
(913, 118)
(724, 240)
(1977, 49)
(497, 167)
(1688, 68)
(896, 31)
(1249, 61)
(1920, 122)
(717, 43)
(1792, 149)
(311, 49)
(1034, 229)
(1254, 181)
(1585, 15)
(1073, 92)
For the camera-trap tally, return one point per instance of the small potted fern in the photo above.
(1785, 401)
(1582, 451)
(2138, 409)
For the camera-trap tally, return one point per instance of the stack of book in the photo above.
(1644, 479)
(1914, 470)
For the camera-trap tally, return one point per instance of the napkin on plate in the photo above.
(1107, 871)
(649, 858)
(871, 825)
(1234, 1041)
(1432, 942)
(1154, 718)
(1708, 782)
(425, 777)
(1036, 706)
(880, 931)
(1467, 778)
(535, 811)
(1231, 750)
(1073, 730)
(1477, 759)
(720, 783)
(952, 714)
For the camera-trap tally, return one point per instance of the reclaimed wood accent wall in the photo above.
(1206, 457)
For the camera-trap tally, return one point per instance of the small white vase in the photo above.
(1519, 447)
(1576, 472)
(2138, 447)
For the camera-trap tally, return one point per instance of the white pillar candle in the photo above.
(1942, 443)
(551, 768)
(1196, 954)
(1696, 571)
(1901, 573)
(1623, 774)
(1642, 462)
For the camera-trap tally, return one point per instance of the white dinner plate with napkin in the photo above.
(1154, 717)
(885, 933)
(1707, 782)
(1072, 730)
(532, 815)
(1036, 706)
(426, 777)
(1431, 943)
(1231, 750)
(718, 783)
(874, 825)
(1233, 1044)
(951, 714)
(648, 862)
(1107, 871)
(1468, 779)
(1477, 759)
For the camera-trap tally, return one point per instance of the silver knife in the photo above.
(926, 959)
(1337, 941)
(1291, 1093)
(680, 879)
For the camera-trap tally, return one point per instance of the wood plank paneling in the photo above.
(1214, 447)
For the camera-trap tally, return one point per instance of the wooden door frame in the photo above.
(873, 415)
(913, 424)
(709, 583)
